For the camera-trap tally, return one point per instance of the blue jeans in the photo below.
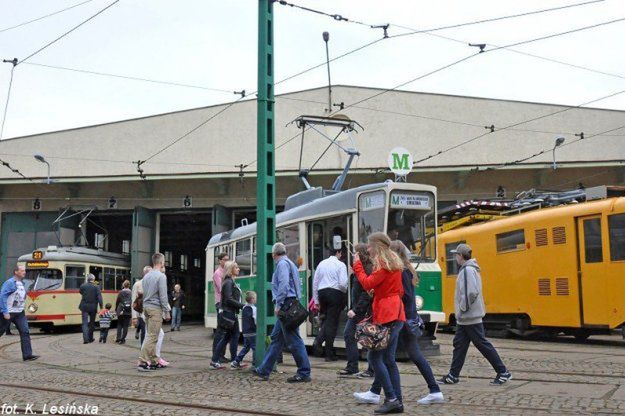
(141, 329)
(280, 337)
(411, 344)
(385, 367)
(465, 334)
(226, 336)
(88, 325)
(21, 323)
(176, 317)
(249, 343)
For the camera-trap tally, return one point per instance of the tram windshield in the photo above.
(45, 279)
(411, 220)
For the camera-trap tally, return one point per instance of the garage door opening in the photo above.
(182, 239)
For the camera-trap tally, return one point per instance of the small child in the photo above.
(105, 322)
(249, 329)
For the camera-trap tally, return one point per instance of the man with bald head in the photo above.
(12, 298)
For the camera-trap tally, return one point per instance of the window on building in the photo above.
(126, 246)
(109, 279)
(371, 208)
(616, 226)
(510, 241)
(244, 256)
(289, 236)
(74, 277)
(450, 259)
(184, 262)
(592, 240)
(168, 258)
(197, 263)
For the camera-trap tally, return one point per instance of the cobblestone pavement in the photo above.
(549, 378)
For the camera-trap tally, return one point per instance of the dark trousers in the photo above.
(227, 336)
(465, 334)
(411, 344)
(141, 329)
(234, 342)
(331, 303)
(249, 343)
(104, 333)
(21, 323)
(122, 327)
(88, 325)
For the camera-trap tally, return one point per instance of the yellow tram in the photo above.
(559, 269)
(53, 278)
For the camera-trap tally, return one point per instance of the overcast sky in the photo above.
(213, 44)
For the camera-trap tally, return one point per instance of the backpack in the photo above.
(137, 305)
(127, 308)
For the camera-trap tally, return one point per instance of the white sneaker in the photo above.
(367, 397)
(432, 398)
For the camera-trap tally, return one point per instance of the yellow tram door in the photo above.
(592, 274)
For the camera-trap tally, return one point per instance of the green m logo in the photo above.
(400, 161)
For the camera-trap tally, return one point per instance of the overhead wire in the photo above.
(68, 32)
(45, 16)
(6, 103)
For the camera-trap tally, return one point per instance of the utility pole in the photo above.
(266, 181)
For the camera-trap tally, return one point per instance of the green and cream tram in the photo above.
(54, 275)
(311, 224)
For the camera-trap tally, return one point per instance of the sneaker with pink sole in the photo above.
(163, 362)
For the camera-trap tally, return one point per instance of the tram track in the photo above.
(166, 403)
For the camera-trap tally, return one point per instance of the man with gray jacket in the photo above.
(469, 311)
(155, 307)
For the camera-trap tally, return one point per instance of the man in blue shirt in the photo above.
(285, 288)
(12, 299)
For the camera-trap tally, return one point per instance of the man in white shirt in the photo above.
(330, 294)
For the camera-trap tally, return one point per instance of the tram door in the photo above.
(320, 236)
(593, 278)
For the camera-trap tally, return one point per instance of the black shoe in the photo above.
(390, 407)
(298, 379)
(365, 374)
(123, 341)
(347, 372)
(86, 342)
(259, 376)
(100, 341)
(448, 379)
(91, 340)
(31, 358)
(502, 378)
(136, 335)
(145, 367)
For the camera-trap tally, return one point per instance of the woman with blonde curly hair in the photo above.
(388, 310)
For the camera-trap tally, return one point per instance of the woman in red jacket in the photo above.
(388, 309)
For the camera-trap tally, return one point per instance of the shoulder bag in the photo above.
(292, 314)
(372, 336)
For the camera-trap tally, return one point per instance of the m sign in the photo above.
(400, 161)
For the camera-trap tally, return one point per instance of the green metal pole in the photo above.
(265, 185)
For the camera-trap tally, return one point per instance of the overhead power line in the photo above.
(43, 17)
(6, 103)
(68, 32)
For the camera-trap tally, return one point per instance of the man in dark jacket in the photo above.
(91, 297)
(361, 302)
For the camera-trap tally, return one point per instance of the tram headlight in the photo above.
(32, 308)
(419, 301)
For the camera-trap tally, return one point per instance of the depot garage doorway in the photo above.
(182, 238)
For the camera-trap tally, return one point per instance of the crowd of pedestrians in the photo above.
(381, 296)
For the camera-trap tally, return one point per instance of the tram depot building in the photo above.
(206, 182)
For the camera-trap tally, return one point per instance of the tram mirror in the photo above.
(337, 242)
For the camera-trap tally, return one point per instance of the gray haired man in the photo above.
(91, 297)
(469, 311)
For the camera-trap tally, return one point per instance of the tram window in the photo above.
(47, 279)
(371, 208)
(592, 240)
(244, 256)
(97, 271)
(109, 279)
(218, 250)
(120, 276)
(411, 219)
(74, 277)
(289, 236)
(450, 259)
(512, 240)
(616, 225)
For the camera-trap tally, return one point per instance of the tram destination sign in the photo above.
(37, 264)
(410, 201)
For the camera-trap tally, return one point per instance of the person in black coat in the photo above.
(91, 297)
(360, 308)
(230, 306)
(123, 307)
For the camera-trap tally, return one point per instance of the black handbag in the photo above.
(226, 322)
(293, 313)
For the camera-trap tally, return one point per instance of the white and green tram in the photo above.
(309, 227)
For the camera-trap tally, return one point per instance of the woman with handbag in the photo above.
(231, 304)
(413, 328)
(388, 317)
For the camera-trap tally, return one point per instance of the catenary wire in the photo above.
(69, 31)
(6, 103)
(43, 17)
